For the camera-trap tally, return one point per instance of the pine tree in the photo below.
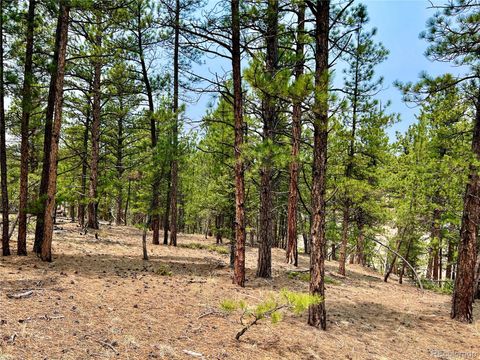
(3, 144)
(454, 35)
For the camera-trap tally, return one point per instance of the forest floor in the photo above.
(99, 300)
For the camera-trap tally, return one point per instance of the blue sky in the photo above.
(399, 24)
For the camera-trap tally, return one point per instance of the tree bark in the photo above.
(47, 142)
(129, 191)
(269, 117)
(343, 245)
(83, 195)
(448, 269)
(155, 214)
(435, 243)
(404, 263)
(219, 228)
(477, 278)
(166, 219)
(3, 147)
(317, 313)
(174, 189)
(92, 215)
(120, 168)
(46, 253)
(462, 299)
(292, 248)
(240, 236)
(24, 146)
(360, 255)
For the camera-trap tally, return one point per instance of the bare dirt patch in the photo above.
(100, 300)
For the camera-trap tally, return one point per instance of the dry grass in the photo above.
(99, 300)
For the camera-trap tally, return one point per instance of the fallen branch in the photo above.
(48, 318)
(12, 338)
(401, 257)
(193, 353)
(208, 313)
(20, 295)
(110, 346)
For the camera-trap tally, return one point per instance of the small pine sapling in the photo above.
(272, 308)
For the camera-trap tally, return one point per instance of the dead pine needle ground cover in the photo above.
(99, 300)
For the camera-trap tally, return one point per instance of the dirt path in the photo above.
(99, 300)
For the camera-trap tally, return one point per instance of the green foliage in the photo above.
(229, 305)
(210, 247)
(305, 276)
(163, 270)
(273, 307)
(444, 288)
(300, 302)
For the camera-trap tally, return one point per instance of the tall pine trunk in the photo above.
(174, 188)
(360, 253)
(83, 195)
(155, 214)
(61, 45)
(317, 313)
(435, 243)
(350, 162)
(166, 218)
(24, 146)
(292, 248)
(239, 224)
(448, 268)
(92, 213)
(47, 143)
(120, 167)
(3, 147)
(343, 245)
(269, 116)
(463, 294)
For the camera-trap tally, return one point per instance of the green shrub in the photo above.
(446, 287)
(305, 276)
(219, 249)
(163, 270)
(228, 305)
(210, 247)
